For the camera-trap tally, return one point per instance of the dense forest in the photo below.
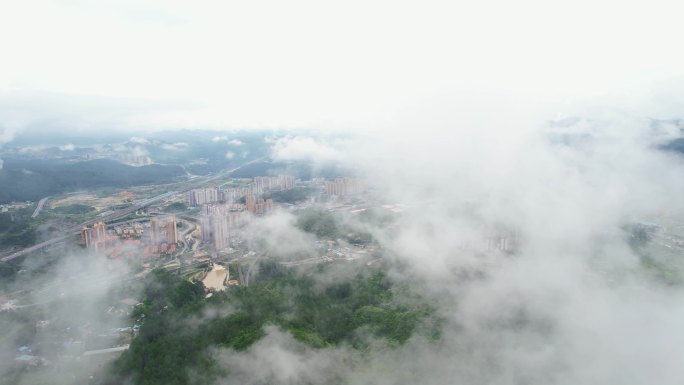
(318, 314)
(324, 224)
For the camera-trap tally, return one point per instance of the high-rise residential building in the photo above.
(95, 237)
(258, 186)
(205, 228)
(270, 183)
(154, 230)
(344, 186)
(163, 229)
(250, 201)
(264, 183)
(286, 182)
(99, 232)
(220, 221)
(171, 231)
(263, 206)
(220, 232)
(198, 197)
(85, 236)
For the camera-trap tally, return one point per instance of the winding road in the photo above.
(41, 203)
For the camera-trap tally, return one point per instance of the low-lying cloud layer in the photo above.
(56, 309)
(572, 304)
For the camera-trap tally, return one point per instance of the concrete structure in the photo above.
(219, 223)
(171, 231)
(263, 206)
(258, 206)
(250, 201)
(270, 183)
(203, 196)
(344, 186)
(163, 229)
(95, 237)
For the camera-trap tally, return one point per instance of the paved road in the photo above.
(41, 203)
(76, 229)
(116, 214)
(184, 234)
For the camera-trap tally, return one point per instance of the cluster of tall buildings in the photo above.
(201, 196)
(233, 194)
(222, 216)
(95, 237)
(270, 183)
(163, 230)
(258, 206)
(222, 193)
(220, 222)
(344, 186)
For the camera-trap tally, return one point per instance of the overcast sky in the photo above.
(230, 64)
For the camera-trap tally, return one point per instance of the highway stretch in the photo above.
(76, 229)
(39, 207)
(116, 214)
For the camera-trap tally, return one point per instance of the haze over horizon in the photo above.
(150, 65)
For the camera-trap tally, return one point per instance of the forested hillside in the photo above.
(22, 180)
(314, 312)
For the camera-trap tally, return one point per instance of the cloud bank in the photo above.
(574, 303)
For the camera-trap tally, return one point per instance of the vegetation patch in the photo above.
(167, 349)
(74, 209)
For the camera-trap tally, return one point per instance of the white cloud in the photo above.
(230, 155)
(225, 138)
(347, 81)
(67, 147)
(304, 148)
(131, 151)
(174, 146)
(32, 149)
(7, 133)
(138, 140)
(280, 359)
